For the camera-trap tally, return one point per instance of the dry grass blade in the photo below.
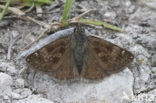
(21, 15)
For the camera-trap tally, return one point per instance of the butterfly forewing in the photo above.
(109, 56)
(51, 59)
(103, 59)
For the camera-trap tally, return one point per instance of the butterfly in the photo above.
(80, 56)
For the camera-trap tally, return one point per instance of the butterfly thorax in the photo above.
(79, 47)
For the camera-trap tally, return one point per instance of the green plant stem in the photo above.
(66, 11)
(100, 23)
(4, 10)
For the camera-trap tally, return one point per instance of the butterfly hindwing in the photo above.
(92, 70)
(67, 70)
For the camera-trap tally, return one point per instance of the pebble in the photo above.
(19, 83)
(5, 86)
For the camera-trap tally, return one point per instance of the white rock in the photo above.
(150, 3)
(153, 60)
(34, 99)
(110, 15)
(7, 67)
(153, 69)
(24, 93)
(15, 95)
(19, 83)
(110, 90)
(5, 79)
(5, 86)
(127, 3)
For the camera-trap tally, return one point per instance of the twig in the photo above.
(11, 44)
(35, 21)
(38, 38)
(52, 26)
(14, 10)
(76, 19)
(81, 15)
(32, 6)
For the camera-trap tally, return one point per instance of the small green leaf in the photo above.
(66, 11)
(100, 23)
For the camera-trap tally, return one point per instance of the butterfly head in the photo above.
(79, 29)
(79, 33)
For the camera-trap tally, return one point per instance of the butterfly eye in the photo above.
(79, 29)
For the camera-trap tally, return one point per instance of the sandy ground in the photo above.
(136, 84)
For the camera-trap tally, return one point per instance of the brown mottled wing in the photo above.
(67, 70)
(54, 59)
(104, 58)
